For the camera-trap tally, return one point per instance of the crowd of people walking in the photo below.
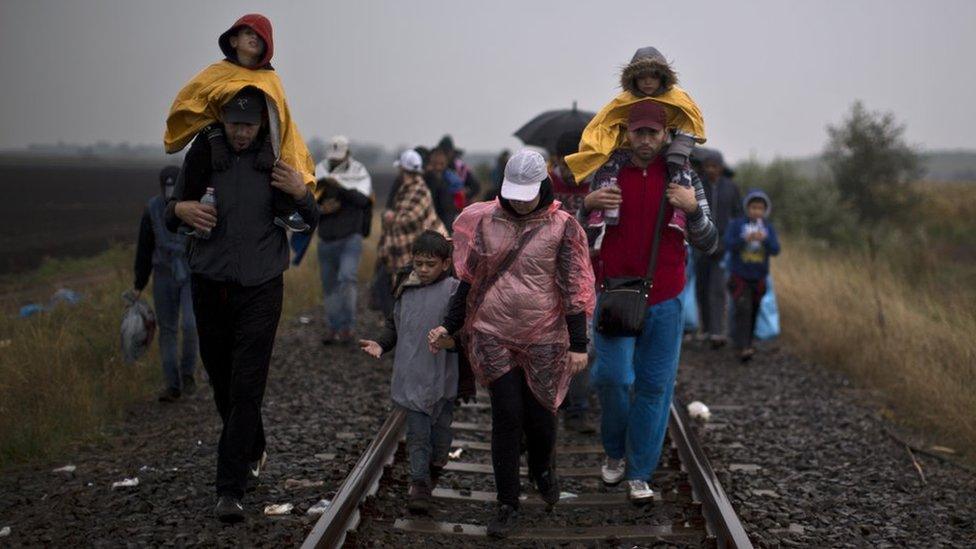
(560, 278)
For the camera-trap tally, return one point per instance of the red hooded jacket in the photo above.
(261, 25)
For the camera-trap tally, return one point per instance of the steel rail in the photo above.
(721, 521)
(343, 515)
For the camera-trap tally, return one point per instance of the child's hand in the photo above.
(371, 348)
(434, 338)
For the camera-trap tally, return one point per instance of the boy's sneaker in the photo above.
(345, 337)
(504, 521)
(254, 471)
(548, 486)
(189, 385)
(294, 222)
(169, 394)
(418, 498)
(613, 470)
(229, 509)
(639, 491)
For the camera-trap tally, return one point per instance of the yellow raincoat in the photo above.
(198, 105)
(606, 132)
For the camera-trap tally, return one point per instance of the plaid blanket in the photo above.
(414, 213)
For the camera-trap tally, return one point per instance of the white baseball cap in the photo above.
(410, 161)
(338, 148)
(524, 174)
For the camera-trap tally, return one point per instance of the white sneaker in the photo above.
(638, 490)
(613, 470)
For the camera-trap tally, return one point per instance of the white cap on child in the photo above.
(524, 174)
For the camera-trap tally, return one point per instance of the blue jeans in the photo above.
(170, 298)
(429, 440)
(634, 426)
(339, 268)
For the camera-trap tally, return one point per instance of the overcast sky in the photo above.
(767, 75)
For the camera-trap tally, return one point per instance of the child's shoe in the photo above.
(294, 222)
(418, 498)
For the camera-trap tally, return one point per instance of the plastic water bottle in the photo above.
(612, 217)
(210, 200)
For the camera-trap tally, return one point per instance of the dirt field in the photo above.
(78, 209)
(69, 210)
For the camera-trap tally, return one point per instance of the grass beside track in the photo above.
(921, 358)
(62, 378)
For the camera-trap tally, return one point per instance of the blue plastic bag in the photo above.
(767, 322)
(689, 303)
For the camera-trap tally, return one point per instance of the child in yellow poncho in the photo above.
(648, 77)
(248, 46)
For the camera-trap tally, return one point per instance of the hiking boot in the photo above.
(717, 342)
(639, 491)
(548, 486)
(613, 470)
(418, 498)
(169, 394)
(504, 521)
(189, 386)
(329, 338)
(745, 355)
(254, 471)
(294, 222)
(229, 509)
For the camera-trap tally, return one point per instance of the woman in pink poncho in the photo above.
(521, 310)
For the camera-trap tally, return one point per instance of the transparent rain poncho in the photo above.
(517, 304)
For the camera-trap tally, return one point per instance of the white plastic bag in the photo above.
(138, 327)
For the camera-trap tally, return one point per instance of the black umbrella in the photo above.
(544, 130)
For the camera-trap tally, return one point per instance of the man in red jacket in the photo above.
(633, 430)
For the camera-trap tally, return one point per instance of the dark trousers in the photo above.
(710, 293)
(237, 326)
(513, 410)
(746, 295)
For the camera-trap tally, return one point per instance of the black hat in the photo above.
(244, 108)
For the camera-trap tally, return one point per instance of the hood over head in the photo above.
(261, 25)
(647, 60)
(700, 154)
(754, 194)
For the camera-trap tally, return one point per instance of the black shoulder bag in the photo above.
(623, 300)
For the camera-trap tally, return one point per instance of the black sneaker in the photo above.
(189, 386)
(294, 222)
(504, 521)
(169, 394)
(418, 498)
(229, 509)
(548, 486)
(254, 472)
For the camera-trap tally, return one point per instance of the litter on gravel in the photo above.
(4, 532)
(456, 453)
(319, 508)
(65, 469)
(698, 410)
(126, 483)
(277, 510)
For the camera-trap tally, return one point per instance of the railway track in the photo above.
(690, 507)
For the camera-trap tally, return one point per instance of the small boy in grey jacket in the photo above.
(425, 384)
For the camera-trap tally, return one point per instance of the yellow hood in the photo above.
(606, 132)
(198, 104)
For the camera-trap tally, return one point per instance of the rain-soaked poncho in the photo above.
(517, 304)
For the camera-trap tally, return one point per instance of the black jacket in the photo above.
(245, 247)
(353, 216)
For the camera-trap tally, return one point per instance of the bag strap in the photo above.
(652, 264)
(503, 265)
